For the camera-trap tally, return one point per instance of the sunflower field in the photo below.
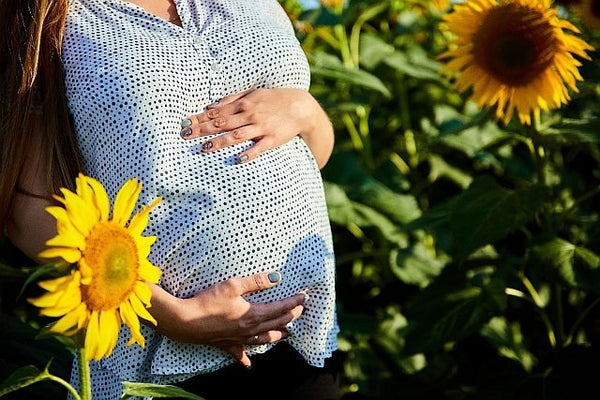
(464, 193)
(464, 197)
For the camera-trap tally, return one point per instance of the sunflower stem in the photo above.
(66, 384)
(83, 365)
(538, 153)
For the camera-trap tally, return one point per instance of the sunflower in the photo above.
(441, 5)
(514, 55)
(589, 12)
(109, 281)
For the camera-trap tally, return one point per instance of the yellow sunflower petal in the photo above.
(54, 284)
(64, 226)
(140, 220)
(143, 292)
(68, 254)
(125, 201)
(100, 199)
(93, 337)
(140, 309)
(109, 325)
(149, 272)
(68, 323)
(82, 215)
(131, 320)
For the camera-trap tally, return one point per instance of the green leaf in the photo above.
(328, 66)
(470, 137)
(373, 50)
(508, 339)
(439, 167)
(343, 211)
(571, 132)
(451, 308)
(343, 169)
(22, 378)
(8, 271)
(481, 215)
(132, 389)
(415, 265)
(562, 256)
(420, 68)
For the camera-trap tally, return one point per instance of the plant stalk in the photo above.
(83, 366)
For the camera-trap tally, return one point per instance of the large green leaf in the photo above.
(415, 265)
(563, 257)
(452, 307)
(26, 376)
(373, 50)
(361, 187)
(572, 132)
(414, 63)
(467, 134)
(481, 215)
(508, 338)
(344, 211)
(329, 66)
(133, 389)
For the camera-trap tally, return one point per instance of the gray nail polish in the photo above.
(185, 123)
(274, 277)
(242, 158)
(207, 145)
(186, 132)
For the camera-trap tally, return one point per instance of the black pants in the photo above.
(280, 373)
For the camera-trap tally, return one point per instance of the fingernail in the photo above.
(306, 296)
(185, 132)
(207, 145)
(242, 158)
(248, 367)
(274, 277)
(288, 326)
(186, 122)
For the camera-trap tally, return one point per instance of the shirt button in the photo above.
(216, 67)
(198, 40)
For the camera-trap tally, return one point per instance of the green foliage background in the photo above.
(467, 251)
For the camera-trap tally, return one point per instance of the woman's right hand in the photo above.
(220, 316)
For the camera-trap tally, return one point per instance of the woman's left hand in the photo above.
(269, 117)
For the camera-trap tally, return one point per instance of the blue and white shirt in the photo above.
(131, 77)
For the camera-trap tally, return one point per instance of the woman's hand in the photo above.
(269, 117)
(219, 316)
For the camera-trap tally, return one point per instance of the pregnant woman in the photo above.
(206, 103)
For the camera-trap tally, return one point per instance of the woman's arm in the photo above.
(30, 225)
(270, 117)
(219, 316)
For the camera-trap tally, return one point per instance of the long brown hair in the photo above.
(32, 82)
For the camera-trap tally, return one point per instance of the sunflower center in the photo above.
(112, 256)
(514, 44)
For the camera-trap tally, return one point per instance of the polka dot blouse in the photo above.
(131, 78)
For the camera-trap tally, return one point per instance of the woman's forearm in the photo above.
(318, 135)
